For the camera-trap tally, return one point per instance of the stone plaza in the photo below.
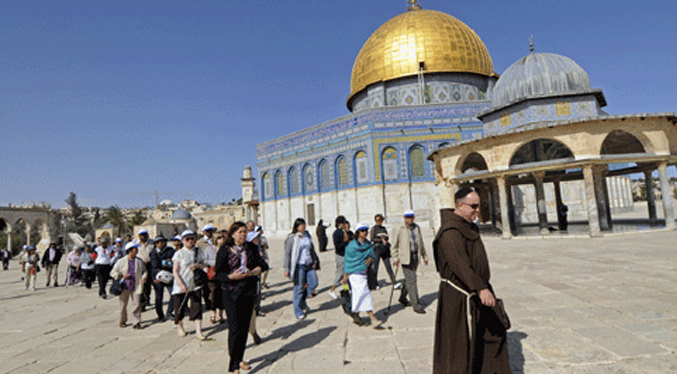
(578, 305)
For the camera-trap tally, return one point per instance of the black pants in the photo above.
(88, 277)
(159, 295)
(5, 264)
(181, 302)
(102, 276)
(239, 307)
(146, 290)
(323, 243)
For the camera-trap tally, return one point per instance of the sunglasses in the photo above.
(473, 206)
(190, 238)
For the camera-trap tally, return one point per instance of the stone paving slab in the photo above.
(578, 305)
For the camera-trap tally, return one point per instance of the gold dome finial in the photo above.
(531, 43)
(414, 5)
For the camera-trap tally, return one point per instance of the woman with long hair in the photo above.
(300, 265)
(238, 265)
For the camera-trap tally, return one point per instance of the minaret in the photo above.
(247, 184)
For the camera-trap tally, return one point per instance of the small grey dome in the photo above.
(108, 226)
(539, 74)
(181, 214)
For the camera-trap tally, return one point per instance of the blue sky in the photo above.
(116, 99)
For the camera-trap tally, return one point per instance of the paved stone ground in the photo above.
(578, 305)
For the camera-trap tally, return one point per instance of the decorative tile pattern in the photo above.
(342, 172)
(417, 163)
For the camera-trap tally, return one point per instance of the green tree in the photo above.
(138, 218)
(76, 218)
(115, 217)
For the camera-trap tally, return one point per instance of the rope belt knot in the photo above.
(468, 296)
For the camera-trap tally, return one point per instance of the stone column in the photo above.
(505, 211)
(606, 201)
(601, 197)
(512, 219)
(558, 202)
(540, 202)
(667, 198)
(591, 201)
(495, 207)
(650, 196)
(9, 242)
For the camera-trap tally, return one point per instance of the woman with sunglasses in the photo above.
(238, 265)
(359, 256)
(186, 260)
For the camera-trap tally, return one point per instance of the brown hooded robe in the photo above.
(460, 257)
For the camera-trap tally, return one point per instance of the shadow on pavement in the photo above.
(304, 342)
(515, 351)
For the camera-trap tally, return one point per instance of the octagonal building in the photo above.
(417, 85)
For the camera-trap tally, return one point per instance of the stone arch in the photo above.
(5, 225)
(323, 179)
(292, 181)
(474, 161)
(341, 170)
(22, 230)
(360, 167)
(416, 162)
(620, 142)
(390, 164)
(538, 150)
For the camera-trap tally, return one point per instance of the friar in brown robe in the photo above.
(475, 342)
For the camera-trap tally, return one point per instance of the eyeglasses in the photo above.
(190, 238)
(473, 206)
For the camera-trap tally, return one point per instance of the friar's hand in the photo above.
(487, 297)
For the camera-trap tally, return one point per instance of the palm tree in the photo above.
(115, 217)
(139, 218)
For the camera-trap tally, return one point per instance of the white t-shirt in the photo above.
(103, 255)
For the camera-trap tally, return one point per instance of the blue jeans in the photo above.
(301, 277)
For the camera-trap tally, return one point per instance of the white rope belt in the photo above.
(468, 296)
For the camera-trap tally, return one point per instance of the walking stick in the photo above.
(392, 290)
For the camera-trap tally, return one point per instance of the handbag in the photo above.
(501, 314)
(211, 273)
(164, 276)
(116, 287)
(199, 276)
(346, 300)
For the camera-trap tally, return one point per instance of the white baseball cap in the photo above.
(252, 235)
(131, 245)
(362, 226)
(409, 213)
(143, 231)
(187, 233)
(208, 227)
(118, 240)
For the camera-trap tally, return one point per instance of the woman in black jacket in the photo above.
(238, 264)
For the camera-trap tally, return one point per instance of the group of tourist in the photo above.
(227, 270)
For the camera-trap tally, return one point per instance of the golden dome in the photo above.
(441, 41)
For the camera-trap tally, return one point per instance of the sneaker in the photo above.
(398, 285)
(301, 317)
(419, 310)
(33, 289)
(378, 288)
(333, 295)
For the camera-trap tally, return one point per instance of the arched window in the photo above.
(267, 186)
(293, 181)
(279, 184)
(361, 168)
(307, 176)
(416, 162)
(323, 168)
(341, 172)
(390, 164)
